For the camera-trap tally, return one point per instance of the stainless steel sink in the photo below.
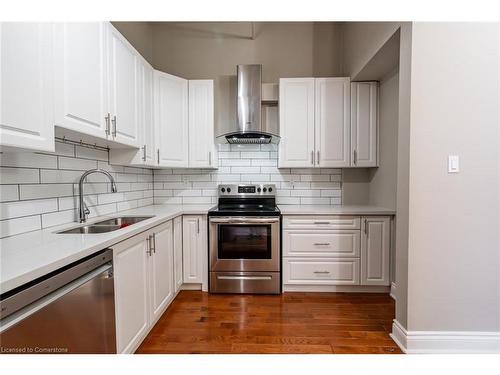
(91, 229)
(104, 226)
(124, 220)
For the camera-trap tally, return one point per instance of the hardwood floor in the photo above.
(199, 322)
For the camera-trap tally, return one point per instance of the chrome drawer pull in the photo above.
(244, 277)
(322, 272)
(322, 243)
(321, 222)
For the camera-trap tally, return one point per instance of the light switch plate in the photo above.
(453, 164)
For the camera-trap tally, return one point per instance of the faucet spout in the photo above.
(84, 211)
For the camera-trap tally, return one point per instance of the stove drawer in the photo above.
(245, 282)
(303, 271)
(321, 243)
(321, 222)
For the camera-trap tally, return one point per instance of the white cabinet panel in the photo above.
(325, 243)
(131, 292)
(26, 85)
(201, 124)
(148, 130)
(195, 248)
(319, 271)
(162, 269)
(123, 89)
(332, 122)
(296, 148)
(81, 102)
(171, 120)
(178, 272)
(364, 139)
(375, 250)
(320, 222)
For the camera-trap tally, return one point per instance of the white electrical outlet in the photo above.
(453, 164)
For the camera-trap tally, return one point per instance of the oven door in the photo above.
(245, 244)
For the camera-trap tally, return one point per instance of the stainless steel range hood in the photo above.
(249, 129)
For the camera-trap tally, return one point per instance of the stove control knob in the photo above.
(223, 190)
(228, 190)
(258, 190)
(264, 190)
(270, 189)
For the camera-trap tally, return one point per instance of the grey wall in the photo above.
(453, 255)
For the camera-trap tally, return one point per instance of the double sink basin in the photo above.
(108, 225)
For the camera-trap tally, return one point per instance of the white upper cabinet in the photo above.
(81, 79)
(296, 114)
(26, 86)
(171, 120)
(123, 89)
(364, 138)
(332, 122)
(202, 152)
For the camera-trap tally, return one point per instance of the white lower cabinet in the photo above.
(144, 284)
(319, 271)
(131, 263)
(375, 251)
(335, 250)
(178, 272)
(195, 249)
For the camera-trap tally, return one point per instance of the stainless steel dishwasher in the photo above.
(71, 310)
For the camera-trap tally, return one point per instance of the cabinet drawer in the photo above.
(321, 243)
(320, 271)
(321, 222)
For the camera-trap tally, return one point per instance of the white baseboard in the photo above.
(336, 288)
(392, 293)
(435, 342)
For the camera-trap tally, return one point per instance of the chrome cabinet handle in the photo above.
(154, 243)
(107, 118)
(321, 222)
(322, 272)
(158, 155)
(113, 121)
(198, 225)
(355, 157)
(322, 243)
(312, 157)
(317, 160)
(210, 158)
(366, 227)
(148, 245)
(144, 153)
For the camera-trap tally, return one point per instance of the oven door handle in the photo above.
(245, 221)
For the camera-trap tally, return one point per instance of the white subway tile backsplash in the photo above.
(19, 176)
(254, 155)
(76, 164)
(28, 160)
(245, 170)
(305, 193)
(9, 193)
(314, 200)
(235, 162)
(39, 190)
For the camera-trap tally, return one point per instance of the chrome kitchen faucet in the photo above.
(84, 210)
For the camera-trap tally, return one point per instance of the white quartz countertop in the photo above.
(28, 256)
(312, 209)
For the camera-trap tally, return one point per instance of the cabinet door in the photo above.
(194, 248)
(171, 120)
(375, 250)
(147, 106)
(201, 124)
(81, 78)
(26, 85)
(162, 269)
(332, 122)
(131, 293)
(123, 61)
(178, 277)
(364, 139)
(296, 148)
